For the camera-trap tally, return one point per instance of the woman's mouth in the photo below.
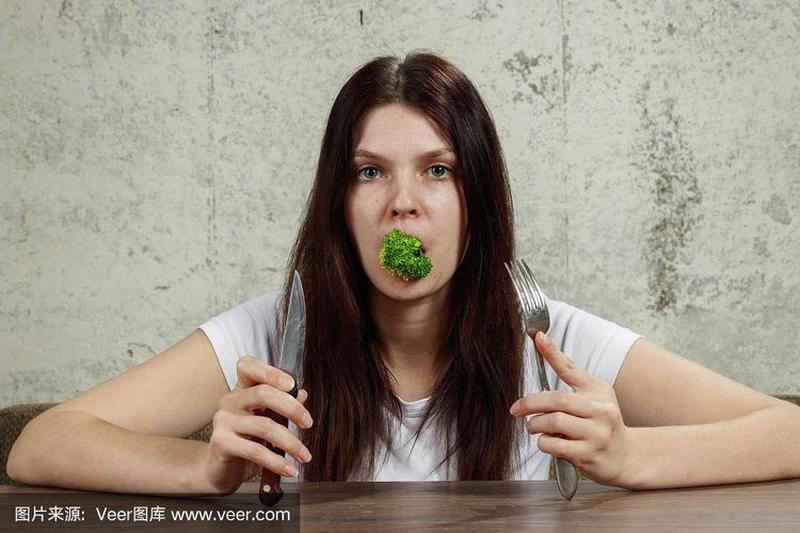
(403, 254)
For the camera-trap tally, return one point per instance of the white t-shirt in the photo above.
(596, 344)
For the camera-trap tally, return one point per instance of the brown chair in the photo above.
(14, 418)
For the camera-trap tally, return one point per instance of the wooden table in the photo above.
(505, 506)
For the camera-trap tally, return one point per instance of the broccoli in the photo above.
(403, 255)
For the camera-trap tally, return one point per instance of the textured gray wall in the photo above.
(155, 158)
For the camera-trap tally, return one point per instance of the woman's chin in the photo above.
(397, 288)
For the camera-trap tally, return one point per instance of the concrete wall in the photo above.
(155, 156)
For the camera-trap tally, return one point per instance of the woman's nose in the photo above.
(404, 202)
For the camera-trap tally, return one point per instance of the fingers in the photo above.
(560, 424)
(268, 430)
(252, 371)
(260, 385)
(545, 402)
(567, 370)
(230, 444)
(240, 432)
(570, 450)
(265, 396)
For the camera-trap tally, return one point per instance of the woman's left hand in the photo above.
(584, 427)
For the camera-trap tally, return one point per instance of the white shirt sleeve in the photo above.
(596, 344)
(247, 329)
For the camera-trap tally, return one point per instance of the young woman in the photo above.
(410, 379)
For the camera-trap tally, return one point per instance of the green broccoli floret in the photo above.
(402, 254)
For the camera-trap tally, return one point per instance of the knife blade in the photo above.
(294, 334)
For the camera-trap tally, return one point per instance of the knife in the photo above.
(294, 334)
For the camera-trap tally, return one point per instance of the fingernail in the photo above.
(290, 471)
(546, 339)
(305, 455)
(514, 409)
(306, 420)
(287, 383)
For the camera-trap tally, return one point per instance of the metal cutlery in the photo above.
(537, 318)
(269, 489)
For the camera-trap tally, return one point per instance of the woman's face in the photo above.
(405, 176)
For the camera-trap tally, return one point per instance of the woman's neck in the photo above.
(411, 335)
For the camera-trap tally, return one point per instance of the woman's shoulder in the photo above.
(264, 306)
(595, 343)
(261, 305)
(570, 324)
(249, 328)
(257, 313)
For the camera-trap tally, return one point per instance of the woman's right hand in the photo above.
(236, 451)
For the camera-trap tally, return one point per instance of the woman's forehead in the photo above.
(442, 152)
(399, 128)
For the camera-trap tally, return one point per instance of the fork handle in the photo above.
(540, 365)
(566, 473)
(566, 478)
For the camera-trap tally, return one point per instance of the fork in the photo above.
(537, 318)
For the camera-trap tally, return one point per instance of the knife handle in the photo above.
(269, 490)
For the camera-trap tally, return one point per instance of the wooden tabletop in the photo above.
(503, 506)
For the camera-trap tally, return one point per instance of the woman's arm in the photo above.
(125, 434)
(696, 427)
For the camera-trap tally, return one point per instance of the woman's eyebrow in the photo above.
(427, 155)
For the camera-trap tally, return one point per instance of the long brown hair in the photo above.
(349, 391)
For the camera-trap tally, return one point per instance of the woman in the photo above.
(410, 379)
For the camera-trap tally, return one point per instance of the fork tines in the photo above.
(528, 291)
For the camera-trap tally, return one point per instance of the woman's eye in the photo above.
(439, 171)
(368, 173)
